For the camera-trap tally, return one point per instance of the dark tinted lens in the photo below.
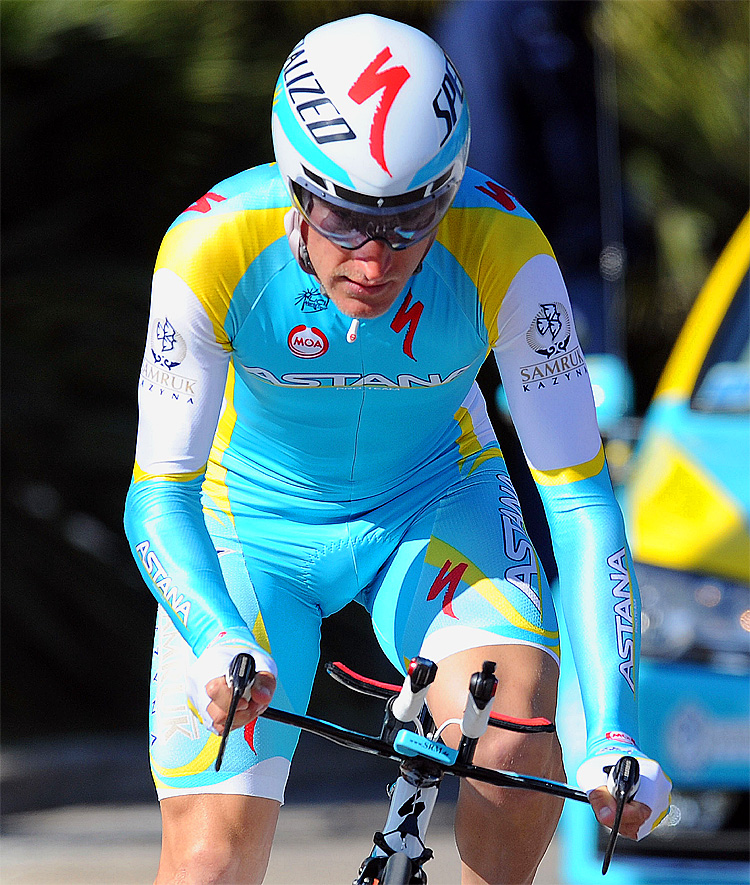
(351, 229)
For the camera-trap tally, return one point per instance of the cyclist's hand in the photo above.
(634, 815)
(651, 801)
(248, 708)
(208, 688)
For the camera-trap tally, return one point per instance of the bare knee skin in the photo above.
(502, 834)
(216, 839)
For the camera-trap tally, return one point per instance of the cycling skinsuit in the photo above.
(283, 470)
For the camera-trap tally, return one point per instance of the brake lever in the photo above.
(241, 674)
(622, 783)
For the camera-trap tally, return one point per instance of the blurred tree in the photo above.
(116, 115)
(682, 76)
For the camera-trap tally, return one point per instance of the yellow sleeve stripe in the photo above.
(469, 444)
(566, 475)
(212, 253)
(215, 486)
(140, 475)
(491, 246)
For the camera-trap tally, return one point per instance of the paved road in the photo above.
(316, 844)
(83, 813)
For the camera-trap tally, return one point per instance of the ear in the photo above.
(296, 233)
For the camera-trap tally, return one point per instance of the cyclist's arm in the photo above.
(553, 410)
(180, 399)
(552, 406)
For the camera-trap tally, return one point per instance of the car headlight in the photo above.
(694, 617)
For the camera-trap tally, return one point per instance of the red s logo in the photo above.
(204, 204)
(499, 195)
(370, 81)
(408, 316)
(448, 580)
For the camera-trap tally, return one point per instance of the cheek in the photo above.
(324, 255)
(413, 257)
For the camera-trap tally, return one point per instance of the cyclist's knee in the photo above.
(539, 755)
(216, 839)
(207, 860)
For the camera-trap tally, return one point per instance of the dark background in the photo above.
(115, 116)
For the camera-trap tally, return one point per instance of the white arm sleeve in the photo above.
(543, 369)
(182, 381)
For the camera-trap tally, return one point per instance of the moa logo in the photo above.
(307, 342)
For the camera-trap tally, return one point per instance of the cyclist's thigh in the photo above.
(257, 758)
(465, 576)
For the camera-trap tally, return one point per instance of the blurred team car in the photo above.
(686, 505)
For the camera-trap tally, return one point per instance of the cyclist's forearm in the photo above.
(164, 525)
(599, 596)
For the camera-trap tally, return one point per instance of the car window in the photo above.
(724, 381)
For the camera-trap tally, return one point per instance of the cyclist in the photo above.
(311, 432)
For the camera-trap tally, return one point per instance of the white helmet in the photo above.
(370, 131)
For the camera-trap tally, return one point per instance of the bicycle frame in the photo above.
(423, 762)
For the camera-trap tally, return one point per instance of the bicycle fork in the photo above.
(414, 794)
(412, 800)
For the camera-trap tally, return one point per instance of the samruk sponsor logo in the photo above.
(552, 372)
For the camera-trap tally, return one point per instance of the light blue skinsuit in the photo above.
(282, 471)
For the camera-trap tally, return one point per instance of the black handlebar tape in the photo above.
(241, 674)
(625, 773)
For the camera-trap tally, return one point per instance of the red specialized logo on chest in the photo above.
(408, 315)
(307, 342)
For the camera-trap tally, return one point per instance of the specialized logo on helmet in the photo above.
(307, 342)
(319, 114)
(444, 103)
(549, 334)
(370, 81)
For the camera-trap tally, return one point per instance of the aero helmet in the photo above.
(371, 127)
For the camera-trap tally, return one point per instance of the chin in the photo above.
(359, 311)
(357, 307)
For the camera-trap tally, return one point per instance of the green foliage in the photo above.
(682, 90)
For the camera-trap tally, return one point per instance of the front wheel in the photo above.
(397, 870)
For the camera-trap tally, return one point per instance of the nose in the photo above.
(375, 258)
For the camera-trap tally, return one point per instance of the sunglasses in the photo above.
(351, 229)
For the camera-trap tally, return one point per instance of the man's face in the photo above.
(364, 282)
